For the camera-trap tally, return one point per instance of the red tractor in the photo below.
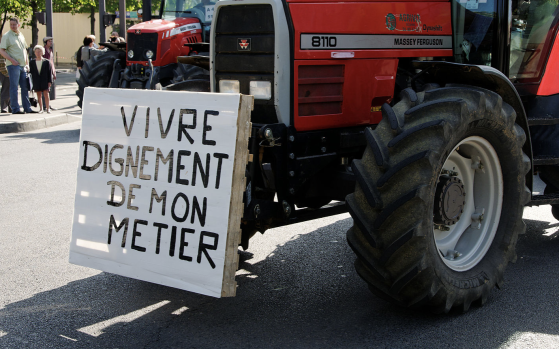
(149, 58)
(426, 120)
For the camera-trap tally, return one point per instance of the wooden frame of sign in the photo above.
(244, 127)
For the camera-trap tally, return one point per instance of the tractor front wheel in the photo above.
(439, 198)
(97, 72)
(190, 78)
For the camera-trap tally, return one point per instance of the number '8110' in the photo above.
(324, 41)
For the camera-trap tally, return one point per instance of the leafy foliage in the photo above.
(11, 8)
(24, 10)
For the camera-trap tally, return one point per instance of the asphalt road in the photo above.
(297, 286)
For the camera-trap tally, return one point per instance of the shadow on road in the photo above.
(303, 294)
(51, 137)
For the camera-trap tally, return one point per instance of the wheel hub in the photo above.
(450, 198)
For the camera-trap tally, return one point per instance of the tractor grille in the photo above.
(140, 44)
(244, 51)
(320, 89)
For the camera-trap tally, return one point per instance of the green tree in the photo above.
(34, 6)
(25, 10)
(12, 8)
(72, 6)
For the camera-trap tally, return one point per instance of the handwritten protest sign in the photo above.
(160, 185)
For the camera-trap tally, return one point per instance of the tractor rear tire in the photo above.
(416, 196)
(188, 77)
(97, 72)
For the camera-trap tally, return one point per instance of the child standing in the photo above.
(41, 74)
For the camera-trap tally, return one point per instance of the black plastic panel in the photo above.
(246, 63)
(545, 138)
(247, 19)
(254, 24)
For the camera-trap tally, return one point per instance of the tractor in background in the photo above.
(148, 60)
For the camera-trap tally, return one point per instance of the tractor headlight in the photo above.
(130, 54)
(261, 89)
(149, 54)
(229, 86)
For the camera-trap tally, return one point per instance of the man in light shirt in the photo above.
(14, 48)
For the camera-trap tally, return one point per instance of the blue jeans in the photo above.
(18, 77)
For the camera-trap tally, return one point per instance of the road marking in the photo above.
(180, 310)
(72, 339)
(97, 329)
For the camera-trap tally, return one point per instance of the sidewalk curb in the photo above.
(37, 124)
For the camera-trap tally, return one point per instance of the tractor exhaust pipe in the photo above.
(146, 10)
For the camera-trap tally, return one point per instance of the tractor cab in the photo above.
(518, 45)
(516, 37)
(203, 10)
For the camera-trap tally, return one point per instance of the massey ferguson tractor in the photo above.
(149, 58)
(426, 120)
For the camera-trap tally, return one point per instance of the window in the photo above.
(531, 38)
(474, 22)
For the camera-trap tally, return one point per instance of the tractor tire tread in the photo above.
(391, 241)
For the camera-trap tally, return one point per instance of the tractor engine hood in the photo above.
(178, 25)
(162, 41)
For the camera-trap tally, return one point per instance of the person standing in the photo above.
(41, 73)
(93, 38)
(5, 92)
(49, 54)
(13, 48)
(87, 42)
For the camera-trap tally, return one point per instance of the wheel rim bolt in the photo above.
(268, 134)
(442, 227)
(286, 208)
(449, 173)
(452, 254)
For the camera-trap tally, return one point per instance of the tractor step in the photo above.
(545, 160)
(542, 121)
(546, 199)
(307, 214)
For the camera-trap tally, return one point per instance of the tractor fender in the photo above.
(485, 77)
(115, 46)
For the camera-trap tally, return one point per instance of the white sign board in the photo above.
(472, 4)
(159, 187)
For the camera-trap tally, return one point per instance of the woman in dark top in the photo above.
(49, 54)
(41, 74)
(87, 41)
